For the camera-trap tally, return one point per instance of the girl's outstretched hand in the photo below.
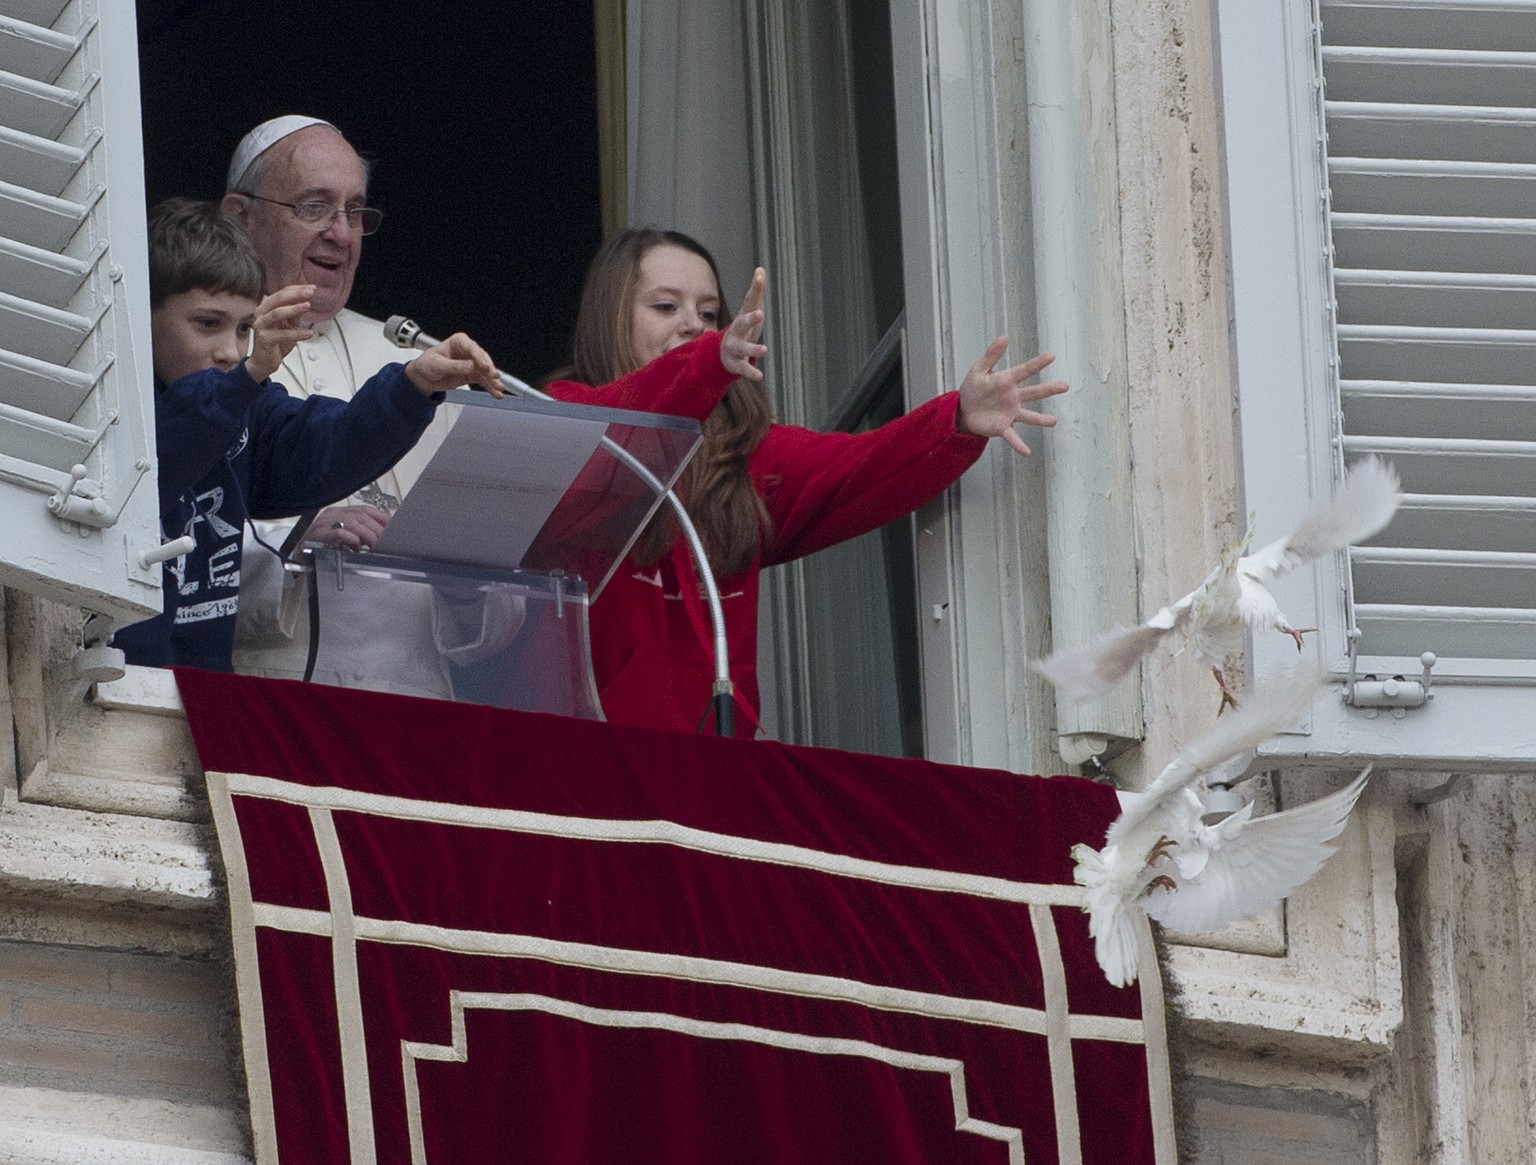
(739, 346)
(992, 403)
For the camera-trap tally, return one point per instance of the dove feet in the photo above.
(1297, 632)
(1228, 700)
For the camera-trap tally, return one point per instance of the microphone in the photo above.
(404, 332)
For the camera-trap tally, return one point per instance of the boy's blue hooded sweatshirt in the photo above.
(232, 448)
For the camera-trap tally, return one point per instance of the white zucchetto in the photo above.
(263, 138)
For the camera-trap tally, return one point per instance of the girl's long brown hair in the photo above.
(717, 488)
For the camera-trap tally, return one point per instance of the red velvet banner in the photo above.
(466, 934)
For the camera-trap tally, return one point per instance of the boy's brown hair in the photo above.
(193, 246)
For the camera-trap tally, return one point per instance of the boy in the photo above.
(232, 444)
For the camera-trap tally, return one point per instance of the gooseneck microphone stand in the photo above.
(406, 333)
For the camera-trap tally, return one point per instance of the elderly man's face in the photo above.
(317, 164)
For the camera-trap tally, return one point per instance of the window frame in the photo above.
(1009, 169)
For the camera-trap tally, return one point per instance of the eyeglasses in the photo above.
(320, 215)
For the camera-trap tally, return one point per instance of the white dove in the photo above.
(1159, 827)
(1241, 865)
(1235, 595)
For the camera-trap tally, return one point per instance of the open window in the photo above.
(845, 649)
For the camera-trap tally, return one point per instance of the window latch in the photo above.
(1373, 692)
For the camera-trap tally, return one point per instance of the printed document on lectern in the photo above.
(490, 488)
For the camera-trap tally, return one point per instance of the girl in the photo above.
(760, 493)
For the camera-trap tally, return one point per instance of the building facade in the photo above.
(1262, 239)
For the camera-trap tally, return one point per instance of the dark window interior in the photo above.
(480, 119)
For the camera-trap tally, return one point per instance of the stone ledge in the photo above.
(105, 858)
(40, 1126)
(1265, 1019)
(126, 751)
(142, 689)
(127, 794)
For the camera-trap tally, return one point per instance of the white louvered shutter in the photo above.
(1406, 159)
(78, 503)
(1431, 116)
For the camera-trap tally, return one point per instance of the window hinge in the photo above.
(1398, 693)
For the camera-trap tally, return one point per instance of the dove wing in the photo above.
(1363, 505)
(1259, 862)
(1257, 719)
(1086, 673)
(1110, 923)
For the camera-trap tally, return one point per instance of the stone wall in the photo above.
(118, 1038)
(1387, 1013)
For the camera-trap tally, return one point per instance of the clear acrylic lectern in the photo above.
(510, 532)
